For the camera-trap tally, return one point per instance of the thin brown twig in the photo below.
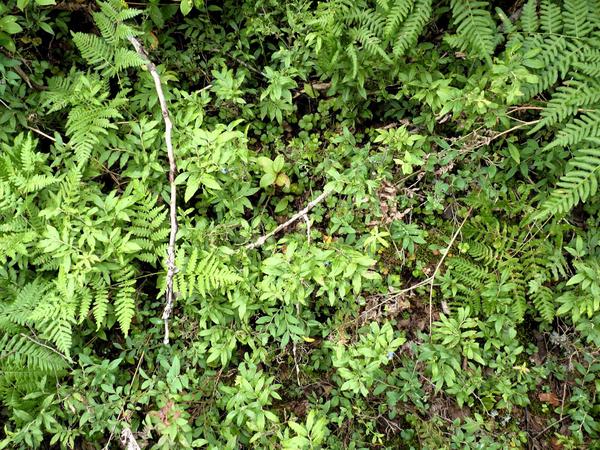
(525, 108)
(41, 344)
(41, 133)
(137, 368)
(548, 427)
(541, 108)
(261, 240)
(516, 127)
(171, 268)
(562, 402)
(439, 264)
(397, 294)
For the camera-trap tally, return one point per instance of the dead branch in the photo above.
(171, 268)
(439, 264)
(427, 281)
(261, 240)
(41, 344)
(128, 440)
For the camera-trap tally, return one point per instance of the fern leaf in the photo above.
(529, 17)
(100, 306)
(543, 300)
(94, 49)
(568, 99)
(578, 184)
(396, 15)
(550, 17)
(124, 298)
(589, 63)
(409, 31)
(202, 275)
(476, 30)
(576, 18)
(584, 127)
(370, 42)
(555, 60)
(85, 303)
(18, 351)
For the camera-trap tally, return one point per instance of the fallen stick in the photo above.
(427, 281)
(128, 440)
(171, 268)
(439, 264)
(261, 240)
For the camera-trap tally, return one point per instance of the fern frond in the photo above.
(124, 298)
(555, 60)
(543, 300)
(529, 17)
(54, 318)
(396, 15)
(370, 42)
(21, 352)
(96, 51)
(202, 274)
(409, 31)
(476, 30)
(351, 51)
(576, 18)
(383, 4)
(483, 252)
(583, 127)
(149, 227)
(85, 303)
(468, 273)
(100, 303)
(125, 58)
(574, 94)
(550, 17)
(577, 185)
(589, 61)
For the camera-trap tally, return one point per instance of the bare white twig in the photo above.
(307, 220)
(171, 268)
(128, 440)
(41, 133)
(427, 281)
(41, 344)
(261, 240)
(397, 294)
(137, 368)
(439, 264)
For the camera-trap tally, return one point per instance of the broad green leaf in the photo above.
(9, 25)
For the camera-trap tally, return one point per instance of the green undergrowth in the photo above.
(442, 293)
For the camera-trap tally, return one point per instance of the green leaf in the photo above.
(192, 186)
(47, 28)
(9, 25)
(7, 43)
(130, 247)
(267, 179)
(299, 429)
(186, 7)
(278, 164)
(23, 415)
(265, 164)
(576, 279)
(514, 153)
(210, 182)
